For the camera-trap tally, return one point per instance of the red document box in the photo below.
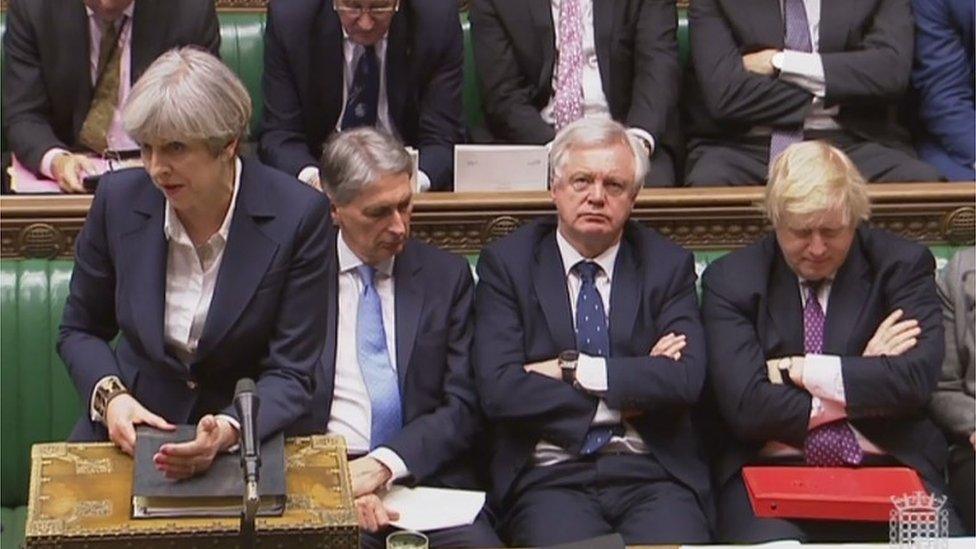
(837, 493)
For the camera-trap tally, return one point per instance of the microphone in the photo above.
(246, 403)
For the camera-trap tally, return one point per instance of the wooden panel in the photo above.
(710, 218)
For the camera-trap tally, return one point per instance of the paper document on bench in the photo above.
(489, 168)
(433, 508)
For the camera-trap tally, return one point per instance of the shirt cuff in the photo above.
(591, 373)
(237, 427)
(423, 182)
(824, 411)
(95, 416)
(392, 461)
(645, 136)
(803, 69)
(309, 175)
(48, 159)
(824, 378)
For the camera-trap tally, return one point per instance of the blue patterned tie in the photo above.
(796, 38)
(831, 444)
(364, 95)
(592, 339)
(374, 362)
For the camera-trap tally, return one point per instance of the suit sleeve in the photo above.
(429, 442)
(283, 143)
(730, 92)
(26, 110)
(952, 407)
(547, 408)
(89, 322)
(754, 408)
(285, 384)
(647, 382)
(881, 66)
(440, 108)
(898, 385)
(506, 95)
(657, 75)
(943, 76)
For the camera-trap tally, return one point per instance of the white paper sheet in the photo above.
(490, 168)
(424, 509)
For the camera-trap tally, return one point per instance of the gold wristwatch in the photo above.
(107, 390)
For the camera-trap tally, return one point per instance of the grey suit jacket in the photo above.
(47, 87)
(953, 404)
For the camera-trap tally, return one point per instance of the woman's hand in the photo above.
(122, 415)
(185, 459)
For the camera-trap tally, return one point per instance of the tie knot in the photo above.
(812, 288)
(366, 274)
(587, 271)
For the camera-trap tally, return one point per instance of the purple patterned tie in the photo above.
(569, 69)
(831, 444)
(797, 38)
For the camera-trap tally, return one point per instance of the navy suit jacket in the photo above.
(303, 82)
(752, 313)
(524, 316)
(47, 87)
(943, 79)
(266, 320)
(433, 302)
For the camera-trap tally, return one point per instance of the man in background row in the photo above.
(336, 65)
(544, 63)
(68, 68)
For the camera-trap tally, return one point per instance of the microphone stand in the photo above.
(248, 512)
(246, 402)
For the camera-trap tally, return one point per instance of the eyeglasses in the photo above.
(357, 11)
(585, 183)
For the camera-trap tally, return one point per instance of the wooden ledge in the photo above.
(699, 218)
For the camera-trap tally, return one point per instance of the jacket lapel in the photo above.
(625, 297)
(247, 255)
(328, 359)
(148, 28)
(833, 26)
(845, 305)
(326, 63)
(785, 310)
(603, 31)
(549, 280)
(540, 12)
(408, 304)
(146, 248)
(74, 30)
(766, 22)
(397, 63)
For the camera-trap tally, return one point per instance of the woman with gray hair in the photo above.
(206, 267)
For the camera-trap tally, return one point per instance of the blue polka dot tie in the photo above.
(374, 363)
(592, 339)
(831, 444)
(364, 95)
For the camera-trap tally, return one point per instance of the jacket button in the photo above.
(191, 385)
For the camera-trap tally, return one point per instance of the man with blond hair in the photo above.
(825, 343)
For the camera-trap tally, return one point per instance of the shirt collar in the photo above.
(348, 260)
(571, 256)
(173, 228)
(350, 47)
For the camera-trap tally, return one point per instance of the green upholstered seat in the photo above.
(242, 49)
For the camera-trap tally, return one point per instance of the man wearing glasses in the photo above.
(331, 65)
(589, 356)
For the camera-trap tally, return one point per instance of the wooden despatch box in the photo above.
(81, 496)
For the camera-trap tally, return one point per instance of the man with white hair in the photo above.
(394, 378)
(600, 439)
(825, 344)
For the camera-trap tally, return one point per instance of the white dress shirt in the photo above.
(351, 53)
(823, 378)
(351, 415)
(805, 69)
(594, 100)
(591, 372)
(117, 139)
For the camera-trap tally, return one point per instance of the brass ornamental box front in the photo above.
(80, 496)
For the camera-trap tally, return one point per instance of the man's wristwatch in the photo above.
(105, 392)
(567, 365)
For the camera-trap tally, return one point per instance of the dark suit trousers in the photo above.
(738, 524)
(962, 484)
(478, 534)
(662, 170)
(628, 494)
(744, 161)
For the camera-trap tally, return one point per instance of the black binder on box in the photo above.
(216, 493)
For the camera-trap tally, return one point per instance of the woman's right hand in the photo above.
(121, 417)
